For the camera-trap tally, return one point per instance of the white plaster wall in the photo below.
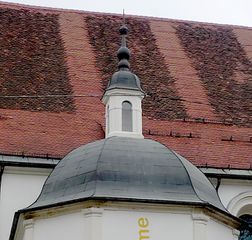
(115, 223)
(64, 227)
(217, 231)
(123, 225)
(18, 190)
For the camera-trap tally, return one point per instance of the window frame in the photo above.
(127, 116)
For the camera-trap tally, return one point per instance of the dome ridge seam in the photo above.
(96, 172)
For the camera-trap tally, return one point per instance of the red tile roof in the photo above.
(32, 61)
(198, 80)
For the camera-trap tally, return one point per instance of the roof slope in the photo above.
(198, 80)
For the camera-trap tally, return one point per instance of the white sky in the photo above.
(237, 12)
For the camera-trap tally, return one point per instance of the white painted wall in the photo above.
(20, 187)
(65, 227)
(216, 231)
(124, 224)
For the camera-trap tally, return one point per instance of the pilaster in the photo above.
(28, 229)
(93, 223)
(236, 234)
(200, 222)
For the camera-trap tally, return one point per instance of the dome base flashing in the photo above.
(125, 134)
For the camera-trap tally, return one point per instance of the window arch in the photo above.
(241, 206)
(127, 121)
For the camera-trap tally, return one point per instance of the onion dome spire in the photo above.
(124, 78)
(123, 54)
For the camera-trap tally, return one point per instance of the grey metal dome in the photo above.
(124, 79)
(120, 168)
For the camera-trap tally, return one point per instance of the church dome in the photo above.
(119, 168)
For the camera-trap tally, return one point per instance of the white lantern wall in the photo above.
(114, 100)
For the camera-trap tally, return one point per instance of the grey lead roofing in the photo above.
(129, 169)
(124, 79)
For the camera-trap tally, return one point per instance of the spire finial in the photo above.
(123, 18)
(123, 53)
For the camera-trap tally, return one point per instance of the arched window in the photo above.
(241, 206)
(127, 124)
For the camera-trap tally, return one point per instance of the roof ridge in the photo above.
(78, 11)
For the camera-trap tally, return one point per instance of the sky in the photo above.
(235, 12)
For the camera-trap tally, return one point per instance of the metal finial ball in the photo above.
(123, 30)
(123, 53)
(123, 64)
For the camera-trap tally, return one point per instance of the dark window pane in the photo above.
(246, 228)
(107, 118)
(127, 116)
